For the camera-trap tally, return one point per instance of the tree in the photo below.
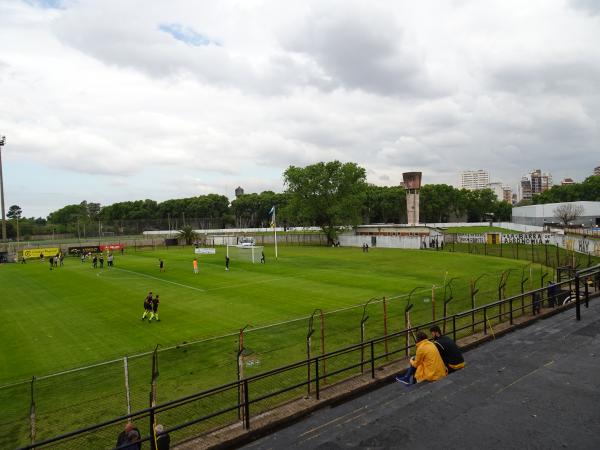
(14, 212)
(567, 212)
(328, 195)
(384, 204)
(438, 202)
(188, 234)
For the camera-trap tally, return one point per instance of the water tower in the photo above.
(412, 186)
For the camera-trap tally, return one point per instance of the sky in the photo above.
(112, 100)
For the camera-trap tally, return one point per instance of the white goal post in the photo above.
(251, 253)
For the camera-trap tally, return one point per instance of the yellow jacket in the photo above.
(428, 362)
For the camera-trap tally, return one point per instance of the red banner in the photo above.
(112, 247)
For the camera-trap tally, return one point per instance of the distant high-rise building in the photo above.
(497, 189)
(597, 170)
(507, 194)
(540, 182)
(525, 189)
(567, 181)
(474, 179)
(239, 191)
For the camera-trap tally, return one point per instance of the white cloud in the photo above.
(234, 92)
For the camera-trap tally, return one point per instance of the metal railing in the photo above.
(238, 402)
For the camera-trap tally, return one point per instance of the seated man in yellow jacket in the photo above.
(426, 365)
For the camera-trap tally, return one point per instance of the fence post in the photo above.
(127, 393)
(317, 385)
(32, 413)
(372, 359)
(577, 303)
(484, 320)
(472, 307)
(433, 303)
(153, 386)
(532, 252)
(246, 406)
(587, 292)
(152, 419)
(546, 252)
(385, 331)
(454, 327)
(323, 346)
(510, 306)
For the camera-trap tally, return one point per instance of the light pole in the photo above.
(2, 141)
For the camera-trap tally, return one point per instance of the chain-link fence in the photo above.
(239, 402)
(78, 398)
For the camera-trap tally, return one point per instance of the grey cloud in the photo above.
(144, 46)
(361, 52)
(592, 7)
(536, 78)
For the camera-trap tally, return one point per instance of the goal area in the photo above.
(251, 253)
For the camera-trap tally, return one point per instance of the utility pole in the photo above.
(2, 141)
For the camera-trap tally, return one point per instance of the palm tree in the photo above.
(188, 234)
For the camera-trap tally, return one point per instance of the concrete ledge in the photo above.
(261, 425)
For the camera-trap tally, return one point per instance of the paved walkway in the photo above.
(534, 388)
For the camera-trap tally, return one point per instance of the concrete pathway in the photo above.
(534, 388)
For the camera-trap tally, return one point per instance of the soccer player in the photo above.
(161, 265)
(154, 315)
(226, 262)
(262, 257)
(147, 306)
(195, 264)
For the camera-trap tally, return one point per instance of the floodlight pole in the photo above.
(2, 142)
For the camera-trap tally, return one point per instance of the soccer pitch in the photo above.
(75, 315)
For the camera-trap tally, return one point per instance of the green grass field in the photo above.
(75, 316)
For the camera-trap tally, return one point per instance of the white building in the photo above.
(474, 179)
(497, 189)
(544, 214)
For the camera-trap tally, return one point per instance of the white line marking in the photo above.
(246, 284)
(164, 281)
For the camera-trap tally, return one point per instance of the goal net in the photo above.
(251, 253)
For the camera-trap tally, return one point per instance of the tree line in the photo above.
(588, 190)
(326, 194)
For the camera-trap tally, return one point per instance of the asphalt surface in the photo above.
(535, 388)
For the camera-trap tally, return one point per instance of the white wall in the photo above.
(506, 225)
(348, 240)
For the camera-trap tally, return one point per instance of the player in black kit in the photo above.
(154, 315)
(147, 306)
